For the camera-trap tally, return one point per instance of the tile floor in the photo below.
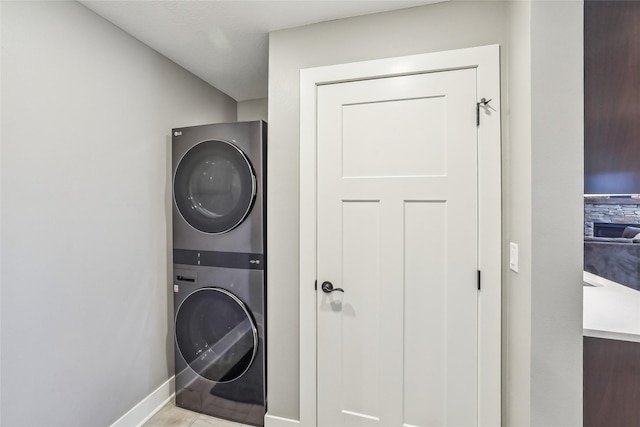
(172, 416)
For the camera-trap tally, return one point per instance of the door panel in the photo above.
(425, 262)
(214, 186)
(216, 335)
(397, 230)
(405, 149)
(360, 337)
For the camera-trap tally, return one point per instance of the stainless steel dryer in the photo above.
(219, 241)
(218, 181)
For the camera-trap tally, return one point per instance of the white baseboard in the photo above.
(148, 406)
(273, 421)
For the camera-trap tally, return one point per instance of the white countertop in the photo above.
(611, 310)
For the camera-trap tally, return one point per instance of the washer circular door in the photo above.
(214, 186)
(216, 335)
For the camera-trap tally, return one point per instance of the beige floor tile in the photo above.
(205, 421)
(171, 416)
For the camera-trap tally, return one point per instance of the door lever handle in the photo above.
(327, 288)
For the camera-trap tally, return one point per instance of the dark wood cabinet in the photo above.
(612, 97)
(611, 383)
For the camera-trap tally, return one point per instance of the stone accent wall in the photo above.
(613, 210)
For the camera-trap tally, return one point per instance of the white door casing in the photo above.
(393, 215)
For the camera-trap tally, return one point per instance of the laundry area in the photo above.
(219, 241)
(290, 213)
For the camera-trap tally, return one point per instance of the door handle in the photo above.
(327, 288)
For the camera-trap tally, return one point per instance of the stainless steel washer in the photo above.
(219, 242)
(220, 342)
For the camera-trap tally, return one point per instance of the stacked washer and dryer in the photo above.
(219, 243)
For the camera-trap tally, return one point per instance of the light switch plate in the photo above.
(513, 256)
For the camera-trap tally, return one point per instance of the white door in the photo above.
(397, 230)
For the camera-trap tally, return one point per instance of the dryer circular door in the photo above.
(216, 334)
(214, 186)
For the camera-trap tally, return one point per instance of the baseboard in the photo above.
(273, 421)
(148, 406)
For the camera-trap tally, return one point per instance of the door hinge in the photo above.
(484, 102)
(315, 286)
(479, 280)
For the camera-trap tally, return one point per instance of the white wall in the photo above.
(542, 348)
(253, 109)
(86, 118)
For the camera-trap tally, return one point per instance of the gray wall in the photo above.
(516, 377)
(557, 147)
(541, 304)
(442, 26)
(253, 109)
(86, 117)
(1, 174)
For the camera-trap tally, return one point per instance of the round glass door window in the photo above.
(214, 186)
(216, 335)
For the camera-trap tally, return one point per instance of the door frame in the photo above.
(486, 60)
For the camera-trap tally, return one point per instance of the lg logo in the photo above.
(176, 133)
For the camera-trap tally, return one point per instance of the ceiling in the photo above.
(226, 43)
